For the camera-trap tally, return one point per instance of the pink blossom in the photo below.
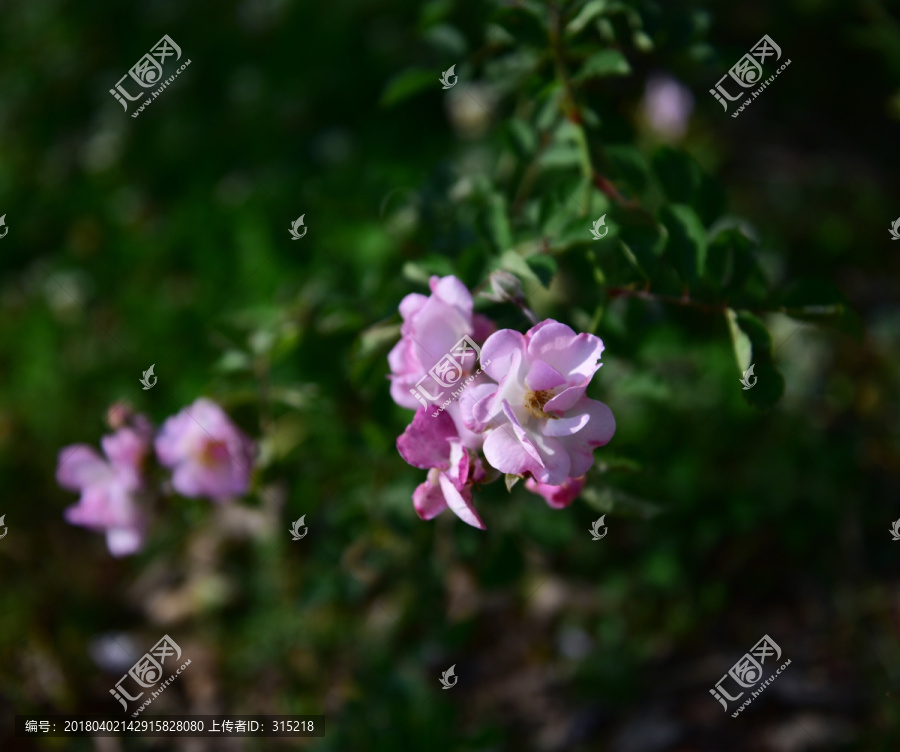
(433, 444)
(209, 455)
(109, 487)
(668, 105)
(537, 418)
(558, 497)
(432, 325)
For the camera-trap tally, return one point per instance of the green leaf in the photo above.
(588, 13)
(602, 64)
(608, 499)
(407, 84)
(498, 222)
(820, 302)
(523, 136)
(511, 480)
(527, 23)
(740, 342)
(686, 246)
(678, 174)
(643, 244)
(769, 385)
(629, 163)
(543, 266)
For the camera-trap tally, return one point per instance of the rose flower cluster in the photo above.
(524, 414)
(206, 453)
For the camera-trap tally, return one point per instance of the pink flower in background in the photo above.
(209, 455)
(558, 497)
(537, 418)
(432, 325)
(109, 487)
(433, 444)
(668, 105)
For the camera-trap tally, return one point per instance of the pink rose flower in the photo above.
(209, 455)
(558, 497)
(432, 325)
(433, 444)
(537, 418)
(109, 487)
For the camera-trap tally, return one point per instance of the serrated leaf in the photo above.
(407, 84)
(602, 64)
(587, 14)
(686, 246)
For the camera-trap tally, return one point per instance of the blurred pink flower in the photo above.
(668, 105)
(537, 418)
(209, 455)
(109, 487)
(433, 444)
(432, 325)
(558, 497)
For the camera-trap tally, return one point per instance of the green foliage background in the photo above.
(732, 514)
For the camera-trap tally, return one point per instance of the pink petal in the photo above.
(499, 350)
(477, 406)
(542, 376)
(557, 497)
(79, 466)
(124, 541)
(573, 355)
(451, 291)
(424, 443)
(599, 430)
(460, 505)
(565, 400)
(520, 433)
(412, 304)
(428, 499)
(565, 426)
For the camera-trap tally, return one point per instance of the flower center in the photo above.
(214, 453)
(535, 401)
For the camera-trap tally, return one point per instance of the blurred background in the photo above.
(732, 514)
